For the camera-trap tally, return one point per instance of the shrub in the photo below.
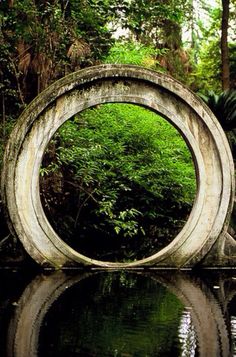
(126, 172)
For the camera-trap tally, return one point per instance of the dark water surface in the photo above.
(138, 313)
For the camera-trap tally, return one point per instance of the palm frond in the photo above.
(223, 106)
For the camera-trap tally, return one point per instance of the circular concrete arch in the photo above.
(110, 84)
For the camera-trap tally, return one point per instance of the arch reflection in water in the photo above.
(233, 333)
(117, 314)
(187, 335)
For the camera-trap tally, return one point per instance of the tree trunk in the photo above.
(3, 118)
(224, 45)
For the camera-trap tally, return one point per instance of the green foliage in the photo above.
(133, 53)
(90, 21)
(207, 74)
(42, 41)
(115, 314)
(153, 37)
(224, 107)
(130, 170)
(152, 22)
(232, 63)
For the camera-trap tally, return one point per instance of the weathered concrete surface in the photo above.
(208, 221)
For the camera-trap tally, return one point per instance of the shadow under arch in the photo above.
(225, 285)
(43, 291)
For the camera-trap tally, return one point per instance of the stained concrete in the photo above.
(202, 241)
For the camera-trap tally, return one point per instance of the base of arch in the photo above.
(222, 253)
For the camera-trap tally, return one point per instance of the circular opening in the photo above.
(112, 84)
(117, 182)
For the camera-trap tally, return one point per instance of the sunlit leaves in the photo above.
(128, 160)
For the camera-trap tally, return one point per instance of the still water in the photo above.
(97, 313)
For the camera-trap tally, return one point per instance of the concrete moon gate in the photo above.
(129, 84)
